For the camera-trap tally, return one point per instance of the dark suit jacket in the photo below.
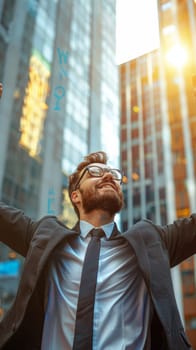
(157, 249)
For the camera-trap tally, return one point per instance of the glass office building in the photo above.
(91, 108)
(61, 81)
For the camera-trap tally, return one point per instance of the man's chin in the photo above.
(108, 200)
(111, 206)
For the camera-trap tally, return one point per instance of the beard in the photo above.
(110, 201)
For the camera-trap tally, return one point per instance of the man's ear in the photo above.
(75, 197)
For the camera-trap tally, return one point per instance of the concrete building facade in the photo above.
(158, 115)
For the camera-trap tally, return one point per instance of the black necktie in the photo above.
(84, 316)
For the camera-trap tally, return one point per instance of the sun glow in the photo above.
(177, 56)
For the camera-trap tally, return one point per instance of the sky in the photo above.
(137, 30)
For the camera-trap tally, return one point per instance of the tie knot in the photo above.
(97, 232)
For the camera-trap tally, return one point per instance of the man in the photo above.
(134, 306)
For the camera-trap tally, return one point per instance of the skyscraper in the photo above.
(61, 82)
(158, 111)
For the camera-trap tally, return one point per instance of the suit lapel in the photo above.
(135, 239)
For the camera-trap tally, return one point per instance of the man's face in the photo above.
(101, 192)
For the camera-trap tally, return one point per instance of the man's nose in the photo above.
(108, 175)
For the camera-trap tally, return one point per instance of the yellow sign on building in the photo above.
(35, 106)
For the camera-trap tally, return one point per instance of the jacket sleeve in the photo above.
(180, 239)
(16, 229)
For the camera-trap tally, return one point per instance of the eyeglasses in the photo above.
(97, 171)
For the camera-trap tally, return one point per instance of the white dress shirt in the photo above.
(122, 304)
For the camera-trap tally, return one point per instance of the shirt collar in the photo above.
(86, 227)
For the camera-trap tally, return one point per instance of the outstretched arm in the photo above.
(16, 229)
(180, 239)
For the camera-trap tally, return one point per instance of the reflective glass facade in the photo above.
(92, 116)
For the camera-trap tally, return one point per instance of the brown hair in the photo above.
(96, 157)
